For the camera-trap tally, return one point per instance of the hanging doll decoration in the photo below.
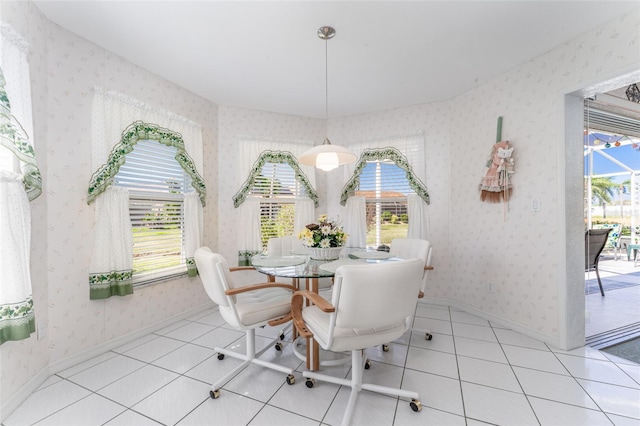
(496, 185)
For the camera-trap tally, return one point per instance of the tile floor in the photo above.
(471, 373)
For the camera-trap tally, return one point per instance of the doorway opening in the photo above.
(612, 201)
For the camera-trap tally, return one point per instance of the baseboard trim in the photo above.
(19, 396)
(65, 363)
(553, 341)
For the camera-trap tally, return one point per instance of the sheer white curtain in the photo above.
(193, 229)
(249, 150)
(111, 268)
(418, 220)
(20, 182)
(249, 238)
(355, 223)
(112, 113)
(305, 213)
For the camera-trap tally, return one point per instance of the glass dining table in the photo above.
(299, 267)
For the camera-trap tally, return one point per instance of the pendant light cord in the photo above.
(326, 79)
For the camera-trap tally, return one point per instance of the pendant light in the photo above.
(327, 156)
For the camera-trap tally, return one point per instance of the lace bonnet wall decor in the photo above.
(496, 186)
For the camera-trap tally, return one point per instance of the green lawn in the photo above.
(389, 232)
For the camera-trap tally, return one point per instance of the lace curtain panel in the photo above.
(193, 229)
(20, 182)
(355, 223)
(418, 221)
(17, 319)
(250, 151)
(111, 268)
(118, 123)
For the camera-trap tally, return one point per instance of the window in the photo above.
(156, 184)
(278, 189)
(385, 188)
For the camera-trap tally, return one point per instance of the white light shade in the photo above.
(327, 156)
(327, 161)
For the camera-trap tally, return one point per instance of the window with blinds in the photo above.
(278, 188)
(157, 184)
(385, 188)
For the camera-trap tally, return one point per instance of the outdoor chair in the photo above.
(594, 242)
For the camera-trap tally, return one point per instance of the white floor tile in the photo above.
(465, 318)
(189, 332)
(597, 370)
(614, 399)
(165, 377)
(371, 408)
(154, 349)
(184, 358)
(554, 387)
(437, 392)
(45, 402)
(101, 375)
(553, 413)
(510, 337)
(488, 373)
(138, 385)
(490, 351)
(92, 410)
(534, 359)
(434, 362)
(229, 409)
(473, 331)
(271, 416)
(131, 418)
(174, 401)
(496, 406)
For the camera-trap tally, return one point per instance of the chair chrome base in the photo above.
(251, 357)
(358, 365)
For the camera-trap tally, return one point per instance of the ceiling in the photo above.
(265, 55)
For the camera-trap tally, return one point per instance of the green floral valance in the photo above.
(15, 139)
(137, 131)
(277, 157)
(391, 154)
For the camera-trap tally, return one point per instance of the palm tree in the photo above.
(602, 189)
(623, 188)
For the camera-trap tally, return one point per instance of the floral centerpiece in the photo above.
(324, 239)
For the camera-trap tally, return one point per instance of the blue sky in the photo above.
(625, 154)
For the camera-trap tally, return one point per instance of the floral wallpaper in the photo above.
(64, 70)
(519, 252)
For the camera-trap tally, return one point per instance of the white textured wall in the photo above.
(64, 69)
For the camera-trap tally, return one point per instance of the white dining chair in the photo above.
(406, 248)
(245, 308)
(370, 305)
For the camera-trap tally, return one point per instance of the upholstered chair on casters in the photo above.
(245, 308)
(370, 305)
(407, 248)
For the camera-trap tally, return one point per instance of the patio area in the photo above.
(615, 317)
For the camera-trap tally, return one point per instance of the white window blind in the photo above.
(278, 188)
(385, 188)
(157, 184)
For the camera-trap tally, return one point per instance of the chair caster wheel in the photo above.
(367, 365)
(310, 382)
(415, 405)
(278, 346)
(428, 336)
(281, 336)
(214, 394)
(385, 348)
(291, 379)
(220, 357)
